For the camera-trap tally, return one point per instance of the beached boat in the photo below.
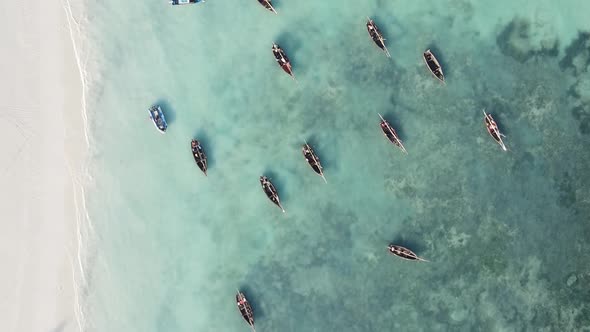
(245, 309)
(199, 155)
(268, 5)
(270, 191)
(157, 117)
(185, 2)
(493, 130)
(404, 253)
(313, 160)
(433, 65)
(391, 135)
(377, 36)
(282, 59)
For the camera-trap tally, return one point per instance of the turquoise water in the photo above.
(506, 233)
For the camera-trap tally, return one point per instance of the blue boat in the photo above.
(185, 2)
(157, 117)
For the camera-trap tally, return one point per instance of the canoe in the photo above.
(282, 59)
(313, 160)
(377, 36)
(433, 65)
(199, 155)
(404, 253)
(270, 191)
(391, 134)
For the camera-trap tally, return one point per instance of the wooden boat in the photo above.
(493, 130)
(245, 309)
(270, 191)
(199, 155)
(282, 59)
(313, 160)
(185, 2)
(267, 4)
(377, 36)
(404, 253)
(391, 135)
(433, 65)
(157, 117)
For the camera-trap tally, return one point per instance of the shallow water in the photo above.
(505, 233)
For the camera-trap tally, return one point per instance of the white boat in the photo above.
(185, 2)
(157, 117)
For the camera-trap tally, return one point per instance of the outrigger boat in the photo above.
(157, 117)
(199, 155)
(391, 135)
(313, 160)
(271, 191)
(282, 59)
(185, 2)
(433, 65)
(493, 130)
(377, 36)
(245, 309)
(268, 5)
(404, 253)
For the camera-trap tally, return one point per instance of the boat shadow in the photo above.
(396, 125)
(410, 244)
(291, 44)
(169, 112)
(205, 141)
(253, 300)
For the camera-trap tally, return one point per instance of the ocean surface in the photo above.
(506, 233)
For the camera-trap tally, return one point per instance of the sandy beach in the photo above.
(43, 149)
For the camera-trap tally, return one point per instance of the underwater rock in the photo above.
(571, 280)
(577, 54)
(518, 41)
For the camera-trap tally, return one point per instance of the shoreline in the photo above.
(43, 202)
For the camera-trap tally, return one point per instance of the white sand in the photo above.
(42, 136)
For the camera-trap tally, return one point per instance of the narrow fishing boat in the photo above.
(245, 309)
(282, 59)
(493, 130)
(377, 36)
(157, 117)
(404, 253)
(184, 2)
(313, 160)
(199, 155)
(270, 191)
(391, 135)
(267, 4)
(433, 65)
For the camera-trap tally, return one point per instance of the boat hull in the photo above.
(377, 36)
(403, 253)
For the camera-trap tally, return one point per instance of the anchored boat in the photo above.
(157, 117)
(493, 130)
(245, 309)
(404, 253)
(391, 134)
(282, 59)
(313, 160)
(377, 36)
(185, 2)
(199, 155)
(267, 4)
(433, 65)
(270, 191)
